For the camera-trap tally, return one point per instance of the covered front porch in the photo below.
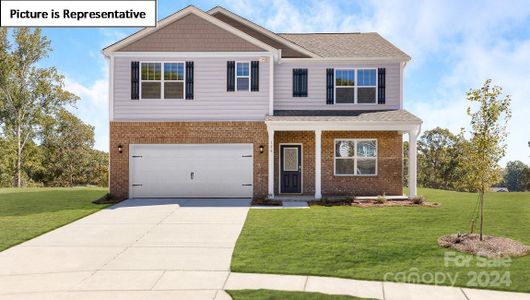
(355, 155)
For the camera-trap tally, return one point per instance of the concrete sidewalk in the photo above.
(363, 288)
(169, 249)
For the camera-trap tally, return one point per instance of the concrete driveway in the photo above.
(138, 249)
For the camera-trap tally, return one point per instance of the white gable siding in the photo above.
(211, 100)
(316, 97)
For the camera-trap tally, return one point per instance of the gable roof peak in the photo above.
(190, 9)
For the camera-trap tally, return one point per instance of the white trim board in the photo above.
(182, 13)
(223, 54)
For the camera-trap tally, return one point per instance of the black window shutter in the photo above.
(135, 80)
(330, 84)
(299, 82)
(381, 81)
(189, 80)
(254, 76)
(230, 76)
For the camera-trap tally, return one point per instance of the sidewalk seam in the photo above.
(462, 290)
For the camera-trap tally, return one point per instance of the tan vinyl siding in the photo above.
(188, 34)
(286, 51)
(211, 100)
(316, 98)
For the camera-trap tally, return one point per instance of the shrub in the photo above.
(418, 199)
(380, 199)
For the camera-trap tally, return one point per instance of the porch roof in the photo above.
(400, 120)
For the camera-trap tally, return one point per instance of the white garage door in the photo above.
(198, 170)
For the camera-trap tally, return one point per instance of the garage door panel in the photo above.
(198, 170)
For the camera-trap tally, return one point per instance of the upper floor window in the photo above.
(355, 86)
(355, 157)
(173, 80)
(345, 86)
(243, 76)
(157, 80)
(366, 85)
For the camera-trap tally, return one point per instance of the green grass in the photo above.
(366, 243)
(281, 295)
(29, 212)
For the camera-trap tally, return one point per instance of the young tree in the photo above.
(515, 177)
(488, 134)
(27, 92)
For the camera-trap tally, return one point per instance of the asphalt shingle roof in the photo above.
(357, 45)
(364, 116)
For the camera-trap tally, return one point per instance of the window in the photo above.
(366, 85)
(243, 76)
(344, 86)
(355, 157)
(151, 76)
(356, 86)
(157, 81)
(173, 80)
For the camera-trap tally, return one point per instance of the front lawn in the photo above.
(367, 243)
(282, 295)
(29, 212)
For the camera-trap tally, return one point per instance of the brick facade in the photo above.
(125, 133)
(389, 178)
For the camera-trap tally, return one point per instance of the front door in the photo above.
(291, 169)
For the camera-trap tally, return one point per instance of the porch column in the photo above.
(271, 163)
(318, 164)
(413, 135)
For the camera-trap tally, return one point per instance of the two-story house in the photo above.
(209, 104)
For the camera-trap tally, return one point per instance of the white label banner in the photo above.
(78, 13)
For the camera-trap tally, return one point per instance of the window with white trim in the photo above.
(243, 76)
(157, 82)
(356, 86)
(344, 86)
(173, 80)
(355, 157)
(366, 85)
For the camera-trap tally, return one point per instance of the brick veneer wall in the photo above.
(389, 178)
(125, 133)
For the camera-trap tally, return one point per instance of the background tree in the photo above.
(516, 176)
(440, 159)
(67, 143)
(27, 92)
(488, 134)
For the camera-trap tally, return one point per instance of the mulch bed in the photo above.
(108, 199)
(266, 202)
(490, 246)
(371, 203)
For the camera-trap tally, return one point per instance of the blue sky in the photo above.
(455, 45)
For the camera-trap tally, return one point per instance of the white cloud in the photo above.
(92, 108)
